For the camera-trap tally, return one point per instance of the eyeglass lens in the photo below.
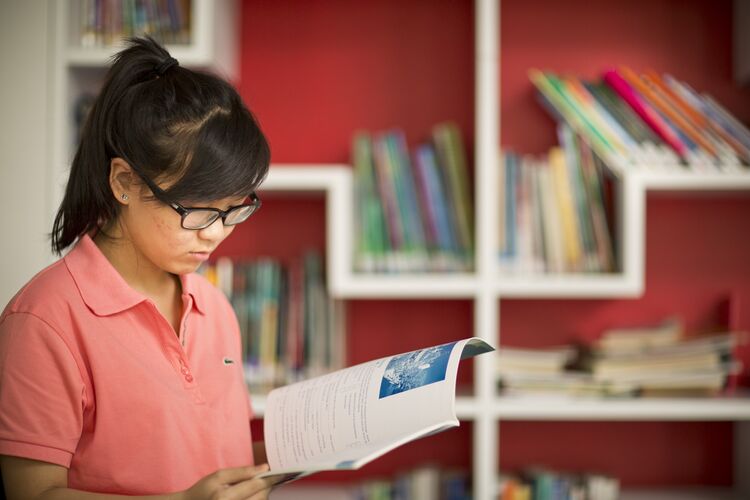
(199, 219)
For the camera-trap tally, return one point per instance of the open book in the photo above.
(348, 418)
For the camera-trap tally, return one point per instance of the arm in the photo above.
(26, 479)
(31, 479)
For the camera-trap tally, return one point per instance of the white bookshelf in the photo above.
(214, 46)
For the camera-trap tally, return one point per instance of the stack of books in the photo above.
(542, 484)
(649, 361)
(662, 361)
(107, 22)
(555, 212)
(648, 119)
(291, 329)
(413, 211)
(547, 372)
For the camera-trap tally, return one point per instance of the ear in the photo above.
(122, 181)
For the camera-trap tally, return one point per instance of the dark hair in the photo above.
(186, 126)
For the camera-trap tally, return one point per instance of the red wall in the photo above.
(313, 72)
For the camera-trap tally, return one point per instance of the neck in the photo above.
(137, 270)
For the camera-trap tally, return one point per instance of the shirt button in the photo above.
(184, 370)
(189, 377)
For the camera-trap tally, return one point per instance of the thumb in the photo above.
(260, 469)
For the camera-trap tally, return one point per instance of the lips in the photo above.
(200, 255)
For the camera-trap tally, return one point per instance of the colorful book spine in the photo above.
(572, 115)
(452, 159)
(555, 212)
(648, 115)
(666, 108)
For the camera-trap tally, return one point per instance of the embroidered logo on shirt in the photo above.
(228, 361)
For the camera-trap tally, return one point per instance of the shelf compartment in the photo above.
(213, 35)
(335, 181)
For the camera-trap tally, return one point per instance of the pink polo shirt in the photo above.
(94, 378)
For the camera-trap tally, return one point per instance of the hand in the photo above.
(238, 483)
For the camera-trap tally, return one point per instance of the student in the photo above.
(120, 368)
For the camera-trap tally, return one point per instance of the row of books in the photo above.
(427, 482)
(107, 22)
(656, 361)
(413, 210)
(555, 211)
(291, 329)
(647, 120)
(545, 484)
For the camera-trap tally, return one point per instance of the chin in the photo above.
(181, 268)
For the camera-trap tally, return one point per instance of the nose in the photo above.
(214, 232)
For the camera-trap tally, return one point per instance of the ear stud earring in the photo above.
(124, 196)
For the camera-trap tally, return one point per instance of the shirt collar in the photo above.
(103, 289)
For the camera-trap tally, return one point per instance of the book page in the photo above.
(343, 419)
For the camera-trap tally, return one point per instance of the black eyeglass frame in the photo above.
(161, 195)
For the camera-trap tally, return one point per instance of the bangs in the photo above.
(228, 157)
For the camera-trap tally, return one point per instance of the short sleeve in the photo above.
(41, 392)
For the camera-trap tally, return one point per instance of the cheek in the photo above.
(169, 232)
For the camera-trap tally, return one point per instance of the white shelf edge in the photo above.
(652, 180)
(427, 286)
(567, 286)
(305, 177)
(661, 409)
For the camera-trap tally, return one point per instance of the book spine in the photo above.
(426, 197)
(573, 116)
(600, 219)
(415, 215)
(386, 185)
(662, 103)
(451, 157)
(571, 231)
(653, 120)
(580, 199)
(597, 115)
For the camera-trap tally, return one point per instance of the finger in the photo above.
(237, 474)
(248, 489)
(262, 495)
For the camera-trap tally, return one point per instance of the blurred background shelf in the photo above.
(723, 408)
(570, 286)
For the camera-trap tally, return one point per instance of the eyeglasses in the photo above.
(195, 218)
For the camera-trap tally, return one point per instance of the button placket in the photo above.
(185, 371)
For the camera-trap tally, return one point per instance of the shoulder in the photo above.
(47, 294)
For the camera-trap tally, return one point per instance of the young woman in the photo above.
(120, 369)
